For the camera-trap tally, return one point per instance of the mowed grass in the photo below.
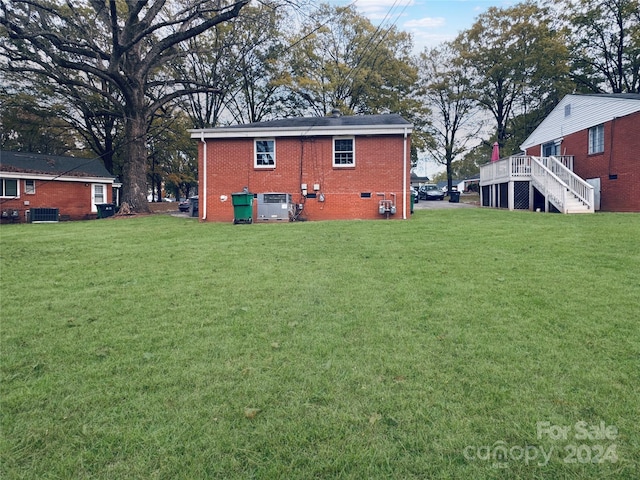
(159, 347)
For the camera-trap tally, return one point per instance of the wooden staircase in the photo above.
(562, 188)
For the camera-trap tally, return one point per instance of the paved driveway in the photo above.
(440, 204)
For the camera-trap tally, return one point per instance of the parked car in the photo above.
(416, 195)
(430, 191)
(184, 205)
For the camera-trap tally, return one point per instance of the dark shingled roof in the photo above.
(333, 121)
(21, 162)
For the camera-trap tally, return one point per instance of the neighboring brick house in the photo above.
(602, 134)
(33, 182)
(337, 167)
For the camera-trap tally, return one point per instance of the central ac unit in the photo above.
(275, 207)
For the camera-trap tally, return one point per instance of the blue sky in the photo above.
(429, 21)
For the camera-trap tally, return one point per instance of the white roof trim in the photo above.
(251, 132)
(586, 111)
(61, 178)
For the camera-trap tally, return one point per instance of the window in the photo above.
(551, 148)
(343, 152)
(30, 187)
(265, 154)
(596, 139)
(8, 187)
(97, 196)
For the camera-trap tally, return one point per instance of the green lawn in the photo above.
(158, 347)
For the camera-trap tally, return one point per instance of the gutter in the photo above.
(404, 176)
(204, 173)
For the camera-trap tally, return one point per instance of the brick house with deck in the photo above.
(583, 157)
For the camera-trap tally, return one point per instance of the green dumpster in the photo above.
(413, 198)
(105, 210)
(242, 207)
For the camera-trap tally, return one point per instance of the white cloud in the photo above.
(426, 22)
(381, 9)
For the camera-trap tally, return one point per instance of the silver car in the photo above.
(431, 191)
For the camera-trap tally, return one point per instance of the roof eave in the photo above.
(251, 132)
(51, 177)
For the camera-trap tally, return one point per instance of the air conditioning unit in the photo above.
(275, 207)
(41, 215)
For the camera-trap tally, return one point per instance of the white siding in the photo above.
(585, 111)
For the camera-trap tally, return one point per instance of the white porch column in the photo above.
(511, 195)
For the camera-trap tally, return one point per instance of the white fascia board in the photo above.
(36, 176)
(239, 132)
(586, 111)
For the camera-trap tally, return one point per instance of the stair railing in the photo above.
(581, 189)
(548, 183)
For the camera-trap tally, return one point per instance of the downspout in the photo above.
(204, 176)
(404, 176)
(611, 144)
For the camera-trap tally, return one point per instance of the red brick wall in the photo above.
(378, 169)
(621, 157)
(73, 199)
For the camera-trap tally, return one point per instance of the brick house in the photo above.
(31, 184)
(583, 157)
(328, 168)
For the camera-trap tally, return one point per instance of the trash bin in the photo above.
(106, 210)
(413, 198)
(242, 207)
(454, 196)
(193, 206)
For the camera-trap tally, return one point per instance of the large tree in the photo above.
(518, 60)
(341, 60)
(115, 49)
(26, 126)
(605, 44)
(445, 87)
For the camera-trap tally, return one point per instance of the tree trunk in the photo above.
(134, 171)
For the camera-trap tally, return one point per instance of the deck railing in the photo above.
(517, 166)
(552, 176)
(580, 188)
(505, 169)
(548, 183)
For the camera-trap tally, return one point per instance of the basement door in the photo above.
(595, 183)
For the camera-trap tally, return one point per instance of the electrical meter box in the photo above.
(275, 207)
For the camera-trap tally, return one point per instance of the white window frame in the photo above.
(352, 151)
(257, 161)
(596, 139)
(94, 186)
(29, 190)
(4, 188)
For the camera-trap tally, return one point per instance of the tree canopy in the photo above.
(117, 76)
(115, 50)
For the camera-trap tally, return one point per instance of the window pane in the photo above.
(344, 145)
(99, 194)
(265, 152)
(29, 186)
(549, 149)
(10, 188)
(596, 139)
(343, 148)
